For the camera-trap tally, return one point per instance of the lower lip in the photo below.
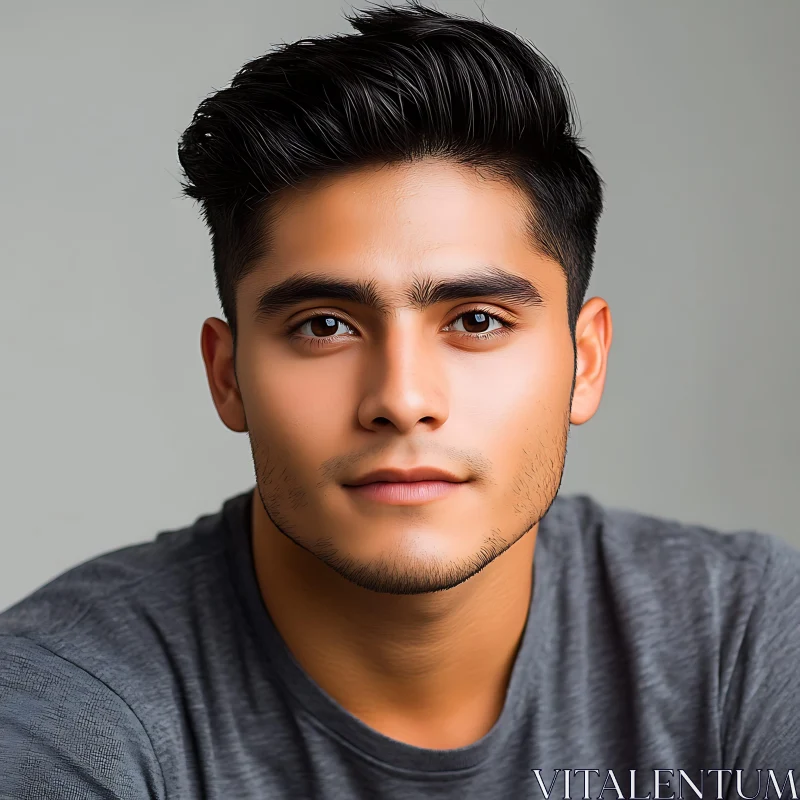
(405, 493)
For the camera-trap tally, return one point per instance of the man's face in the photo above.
(333, 389)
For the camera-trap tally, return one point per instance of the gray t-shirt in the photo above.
(154, 671)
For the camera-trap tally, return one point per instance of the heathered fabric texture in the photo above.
(154, 672)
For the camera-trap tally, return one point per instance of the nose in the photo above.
(405, 383)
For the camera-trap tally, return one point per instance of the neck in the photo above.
(429, 669)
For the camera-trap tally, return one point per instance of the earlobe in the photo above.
(593, 334)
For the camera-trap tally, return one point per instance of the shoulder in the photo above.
(671, 588)
(120, 616)
(112, 587)
(704, 607)
(67, 733)
(94, 664)
(657, 554)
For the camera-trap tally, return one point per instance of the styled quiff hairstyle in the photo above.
(413, 82)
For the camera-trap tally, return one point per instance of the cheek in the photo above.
(300, 407)
(516, 394)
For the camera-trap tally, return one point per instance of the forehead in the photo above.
(397, 224)
(407, 212)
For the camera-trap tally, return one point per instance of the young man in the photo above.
(403, 227)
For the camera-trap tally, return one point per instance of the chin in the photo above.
(417, 564)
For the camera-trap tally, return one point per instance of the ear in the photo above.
(216, 345)
(593, 333)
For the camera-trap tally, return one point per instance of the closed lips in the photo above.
(391, 475)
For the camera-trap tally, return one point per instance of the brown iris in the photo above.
(324, 326)
(482, 320)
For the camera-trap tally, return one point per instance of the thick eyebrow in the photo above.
(423, 292)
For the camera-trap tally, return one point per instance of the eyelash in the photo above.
(320, 341)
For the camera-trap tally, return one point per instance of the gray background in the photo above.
(108, 430)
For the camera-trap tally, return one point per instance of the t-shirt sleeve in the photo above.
(65, 734)
(761, 710)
